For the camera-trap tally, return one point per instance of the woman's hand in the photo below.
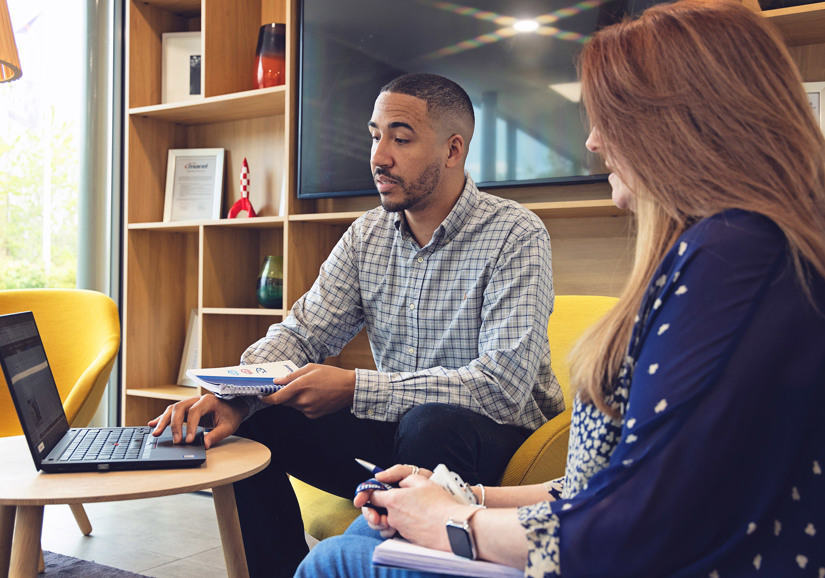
(419, 510)
(392, 476)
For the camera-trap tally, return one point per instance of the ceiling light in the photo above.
(526, 25)
(9, 61)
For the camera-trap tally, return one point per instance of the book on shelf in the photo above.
(253, 379)
(403, 554)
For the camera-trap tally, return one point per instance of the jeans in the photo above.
(322, 452)
(350, 555)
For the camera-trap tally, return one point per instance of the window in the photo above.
(60, 152)
(40, 135)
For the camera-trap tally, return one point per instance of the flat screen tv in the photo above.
(530, 128)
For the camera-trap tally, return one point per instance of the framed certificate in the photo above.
(181, 66)
(816, 98)
(194, 183)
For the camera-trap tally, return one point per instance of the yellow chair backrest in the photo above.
(81, 335)
(543, 455)
(572, 315)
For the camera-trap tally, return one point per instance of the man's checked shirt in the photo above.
(462, 320)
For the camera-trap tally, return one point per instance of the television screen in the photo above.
(515, 58)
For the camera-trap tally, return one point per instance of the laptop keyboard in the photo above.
(106, 444)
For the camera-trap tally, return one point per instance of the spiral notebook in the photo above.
(253, 379)
(402, 554)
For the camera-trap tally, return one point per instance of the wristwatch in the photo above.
(461, 536)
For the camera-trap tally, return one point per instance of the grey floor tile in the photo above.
(208, 564)
(175, 533)
(164, 537)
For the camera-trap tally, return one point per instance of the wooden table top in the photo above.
(21, 484)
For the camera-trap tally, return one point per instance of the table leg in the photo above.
(25, 551)
(230, 528)
(82, 519)
(6, 533)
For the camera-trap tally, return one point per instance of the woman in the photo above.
(696, 447)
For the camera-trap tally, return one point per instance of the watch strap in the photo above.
(464, 525)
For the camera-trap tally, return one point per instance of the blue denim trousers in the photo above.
(350, 555)
(322, 452)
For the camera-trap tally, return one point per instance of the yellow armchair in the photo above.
(541, 457)
(81, 335)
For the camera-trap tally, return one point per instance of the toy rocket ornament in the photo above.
(243, 203)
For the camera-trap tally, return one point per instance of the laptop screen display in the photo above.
(29, 376)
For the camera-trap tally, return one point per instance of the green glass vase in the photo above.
(271, 283)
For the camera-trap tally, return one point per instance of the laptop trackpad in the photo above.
(162, 447)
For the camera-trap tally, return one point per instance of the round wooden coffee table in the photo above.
(24, 491)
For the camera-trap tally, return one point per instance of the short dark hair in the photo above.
(444, 97)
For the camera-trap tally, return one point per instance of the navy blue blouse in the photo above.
(715, 467)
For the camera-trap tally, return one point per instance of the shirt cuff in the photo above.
(542, 530)
(372, 395)
(555, 487)
(253, 403)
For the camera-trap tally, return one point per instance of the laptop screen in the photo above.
(30, 381)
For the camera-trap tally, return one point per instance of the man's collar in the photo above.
(460, 212)
(456, 218)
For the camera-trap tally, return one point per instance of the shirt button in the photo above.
(421, 259)
(412, 306)
(411, 350)
(370, 412)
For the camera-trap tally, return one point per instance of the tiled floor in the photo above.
(167, 537)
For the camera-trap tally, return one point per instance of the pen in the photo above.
(368, 466)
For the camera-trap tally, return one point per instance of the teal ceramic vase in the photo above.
(271, 283)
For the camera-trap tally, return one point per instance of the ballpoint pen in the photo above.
(372, 468)
(373, 484)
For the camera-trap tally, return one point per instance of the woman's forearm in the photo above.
(500, 537)
(512, 496)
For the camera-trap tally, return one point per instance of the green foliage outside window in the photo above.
(39, 179)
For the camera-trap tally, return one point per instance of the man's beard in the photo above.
(415, 193)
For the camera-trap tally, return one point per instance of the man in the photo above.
(454, 287)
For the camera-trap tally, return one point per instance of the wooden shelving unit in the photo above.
(207, 266)
(211, 266)
(800, 25)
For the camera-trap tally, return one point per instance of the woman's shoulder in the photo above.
(732, 237)
(734, 227)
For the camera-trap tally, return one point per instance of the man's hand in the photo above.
(315, 390)
(226, 416)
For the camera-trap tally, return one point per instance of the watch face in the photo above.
(460, 540)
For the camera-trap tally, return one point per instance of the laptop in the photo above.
(55, 447)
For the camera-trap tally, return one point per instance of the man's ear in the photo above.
(456, 150)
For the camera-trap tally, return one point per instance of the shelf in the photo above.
(174, 227)
(545, 210)
(243, 311)
(567, 209)
(227, 107)
(329, 218)
(192, 226)
(800, 24)
(182, 7)
(170, 392)
(249, 223)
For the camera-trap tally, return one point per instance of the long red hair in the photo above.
(703, 102)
